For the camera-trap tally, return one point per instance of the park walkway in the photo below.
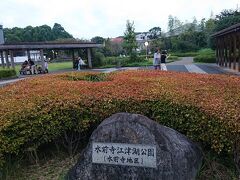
(186, 64)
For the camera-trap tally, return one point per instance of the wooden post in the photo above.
(230, 50)
(73, 59)
(238, 51)
(28, 54)
(2, 59)
(217, 51)
(234, 50)
(7, 60)
(12, 59)
(221, 50)
(89, 58)
(42, 60)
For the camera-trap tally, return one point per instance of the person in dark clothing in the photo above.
(32, 66)
(164, 57)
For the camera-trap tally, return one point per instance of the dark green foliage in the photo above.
(155, 33)
(98, 58)
(205, 56)
(38, 33)
(6, 73)
(98, 40)
(226, 19)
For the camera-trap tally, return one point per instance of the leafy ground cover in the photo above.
(40, 111)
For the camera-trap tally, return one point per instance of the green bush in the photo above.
(205, 56)
(6, 73)
(186, 54)
(122, 61)
(98, 58)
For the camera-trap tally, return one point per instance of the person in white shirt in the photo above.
(80, 63)
(157, 59)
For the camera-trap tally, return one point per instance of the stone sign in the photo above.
(124, 154)
(131, 146)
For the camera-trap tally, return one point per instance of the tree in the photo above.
(98, 40)
(170, 24)
(154, 33)
(39, 33)
(226, 19)
(59, 32)
(130, 43)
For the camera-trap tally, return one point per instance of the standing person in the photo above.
(164, 57)
(157, 59)
(80, 63)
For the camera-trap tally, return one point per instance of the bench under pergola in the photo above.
(8, 49)
(228, 47)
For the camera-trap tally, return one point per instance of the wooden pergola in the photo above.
(228, 47)
(8, 49)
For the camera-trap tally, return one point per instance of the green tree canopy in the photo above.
(38, 33)
(154, 33)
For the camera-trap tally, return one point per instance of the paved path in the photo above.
(186, 64)
(183, 61)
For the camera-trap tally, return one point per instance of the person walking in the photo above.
(157, 59)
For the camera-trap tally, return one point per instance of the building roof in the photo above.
(47, 45)
(234, 28)
(117, 40)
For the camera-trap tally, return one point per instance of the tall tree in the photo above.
(170, 24)
(130, 43)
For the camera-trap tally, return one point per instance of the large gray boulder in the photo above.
(177, 157)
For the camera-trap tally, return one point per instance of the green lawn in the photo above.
(51, 66)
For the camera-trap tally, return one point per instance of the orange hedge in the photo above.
(38, 110)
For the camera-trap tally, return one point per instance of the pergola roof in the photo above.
(47, 45)
(231, 29)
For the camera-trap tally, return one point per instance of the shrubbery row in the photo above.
(5, 73)
(203, 107)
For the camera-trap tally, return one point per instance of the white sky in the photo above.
(106, 18)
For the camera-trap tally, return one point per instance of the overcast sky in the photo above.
(106, 18)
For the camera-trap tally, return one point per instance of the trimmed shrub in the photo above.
(210, 58)
(205, 56)
(203, 107)
(7, 73)
(187, 54)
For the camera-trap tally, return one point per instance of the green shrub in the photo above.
(205, 56)
(186, 54)
(98, 58)
(6, 73)
(189, 103)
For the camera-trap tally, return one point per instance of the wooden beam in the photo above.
(2, 59)
(12, 59)
(225, 51)
(42, 60)
(238, 37)
(73, 59)
(234, 37)
(28, 54)
(7, 60)
(89, 58)
(222, 51)
(230, 51)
